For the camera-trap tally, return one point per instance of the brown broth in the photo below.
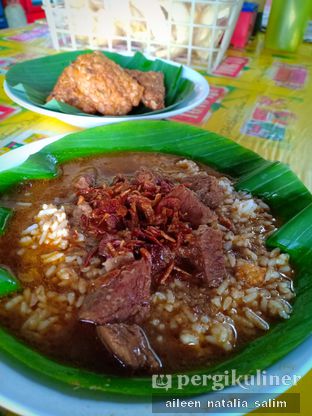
(80, 346)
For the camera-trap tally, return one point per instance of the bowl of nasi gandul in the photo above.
(137, 251)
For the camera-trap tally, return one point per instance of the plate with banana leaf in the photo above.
(88, 89)
(136, 250)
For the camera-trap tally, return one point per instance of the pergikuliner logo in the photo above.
(220, 381)
(162, 381)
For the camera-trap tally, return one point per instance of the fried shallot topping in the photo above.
(150, 214)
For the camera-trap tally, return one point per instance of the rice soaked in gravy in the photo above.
(140, 262)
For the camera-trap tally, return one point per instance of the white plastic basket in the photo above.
(194, 32)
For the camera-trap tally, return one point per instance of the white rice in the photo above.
(233, 309)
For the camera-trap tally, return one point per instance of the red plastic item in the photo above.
(243, 29)
(33, 11)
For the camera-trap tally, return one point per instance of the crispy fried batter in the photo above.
(95, 84)
(154, 88)
(250, 274)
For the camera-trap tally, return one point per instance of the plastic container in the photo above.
(195, 33)
(244, 25)
(287, 23)
(15, 14)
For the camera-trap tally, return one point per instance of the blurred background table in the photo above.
(260, 99)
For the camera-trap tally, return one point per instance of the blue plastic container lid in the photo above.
(248, 6)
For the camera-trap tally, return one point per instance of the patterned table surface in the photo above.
(260, 99)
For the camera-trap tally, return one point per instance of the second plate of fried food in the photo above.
(86, 88)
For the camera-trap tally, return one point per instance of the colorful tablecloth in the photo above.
(258, 98)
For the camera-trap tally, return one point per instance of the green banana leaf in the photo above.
(5, 215)
(272, 181)
(33, 80)
(8, 283)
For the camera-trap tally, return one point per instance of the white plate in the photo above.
(201, 91)
(28, 394)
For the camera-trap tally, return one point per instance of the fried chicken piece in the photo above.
(154, 88)
(95, 84)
